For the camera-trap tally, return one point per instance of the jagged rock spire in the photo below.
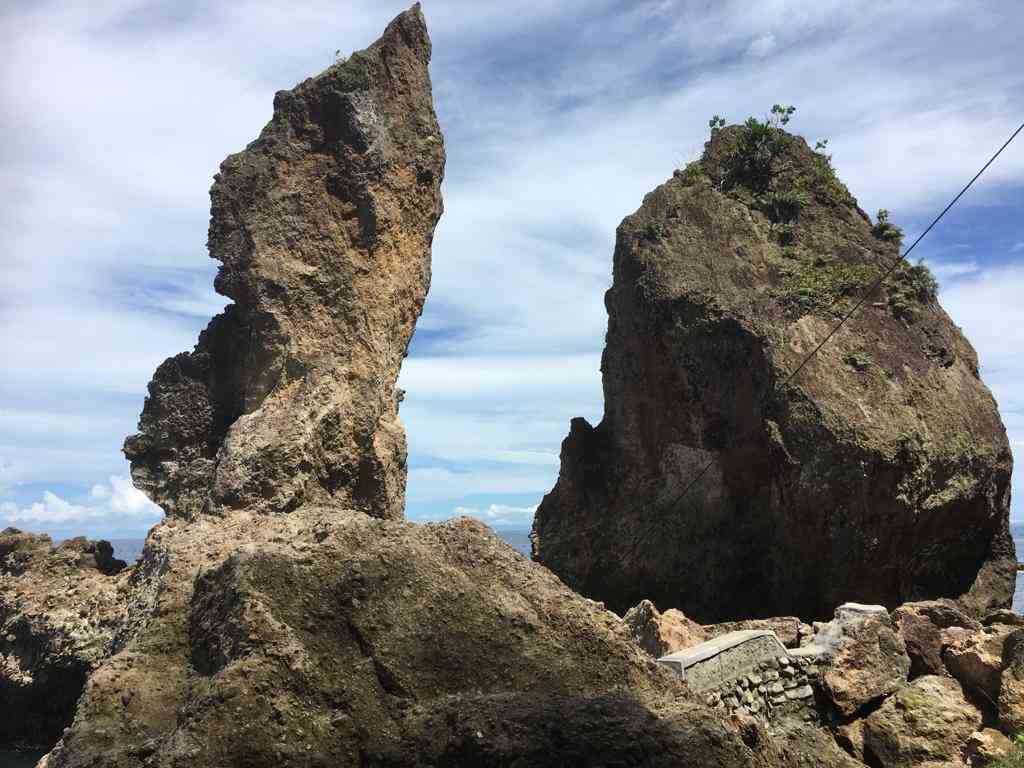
(323, 227)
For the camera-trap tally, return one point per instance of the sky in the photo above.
(558, 117)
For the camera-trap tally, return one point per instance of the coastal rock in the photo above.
(662, 633)
(59, 610)
(864, 659)
(926, 724)
(920, 625)
(1011, 684)
(976, 660)
(986, 746)
(789, 629)
(341, 639)
(718, 485)
(323, 227)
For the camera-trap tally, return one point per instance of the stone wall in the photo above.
(781, 686)
(751, 672)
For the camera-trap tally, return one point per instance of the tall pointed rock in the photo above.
(323, 227)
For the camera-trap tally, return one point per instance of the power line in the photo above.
(871, 289)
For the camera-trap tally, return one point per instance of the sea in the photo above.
(130, 550)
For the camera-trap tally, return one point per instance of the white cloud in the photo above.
(52, 509)
(761, 46)
(987, 306)
(117, 500)
(950, 270)
(1017, 247)
(499, 514)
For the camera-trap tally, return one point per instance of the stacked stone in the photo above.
(780, 685)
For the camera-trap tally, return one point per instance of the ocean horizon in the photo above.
(130, 550)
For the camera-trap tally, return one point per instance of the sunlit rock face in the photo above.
(323, 227)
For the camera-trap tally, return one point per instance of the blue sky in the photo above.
(558, 117)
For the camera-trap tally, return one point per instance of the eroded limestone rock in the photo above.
(880, 472)
(863, 658)
(324, 639)
(920, 625)
(662, 633)
(1011, 684)
(323, 227)
(926, 724)
(976, 660)
(59, 611)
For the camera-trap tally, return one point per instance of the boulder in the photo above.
(662, 633)
(1011, 684)
(882, 470)
(920, 625)
(59, 611)
(789, 629)
(863, 658)
(976, 660)
(1003, 616)
(985, 747)
(323, 227)
(925, 724)
(320, 638)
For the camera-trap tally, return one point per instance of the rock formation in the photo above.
(338, 640)
(663, 633)
(925, 725)
(337, 635)
(323, 227)
(59, 609)
(714, 483)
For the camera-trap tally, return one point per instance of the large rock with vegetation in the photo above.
(323, 227)
(717, 484)
(60, 608)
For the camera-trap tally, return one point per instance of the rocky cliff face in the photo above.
(323, 228)
(59, 611)
(880, 473)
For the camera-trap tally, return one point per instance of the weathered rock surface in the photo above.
(880, 473)
(1011, 684)
(920, 625)
(926, 724)
(986, 746)
(864, 659)
(976, 660)
(321, 638)
(662, 633)
(59, 609)
(323, 227)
